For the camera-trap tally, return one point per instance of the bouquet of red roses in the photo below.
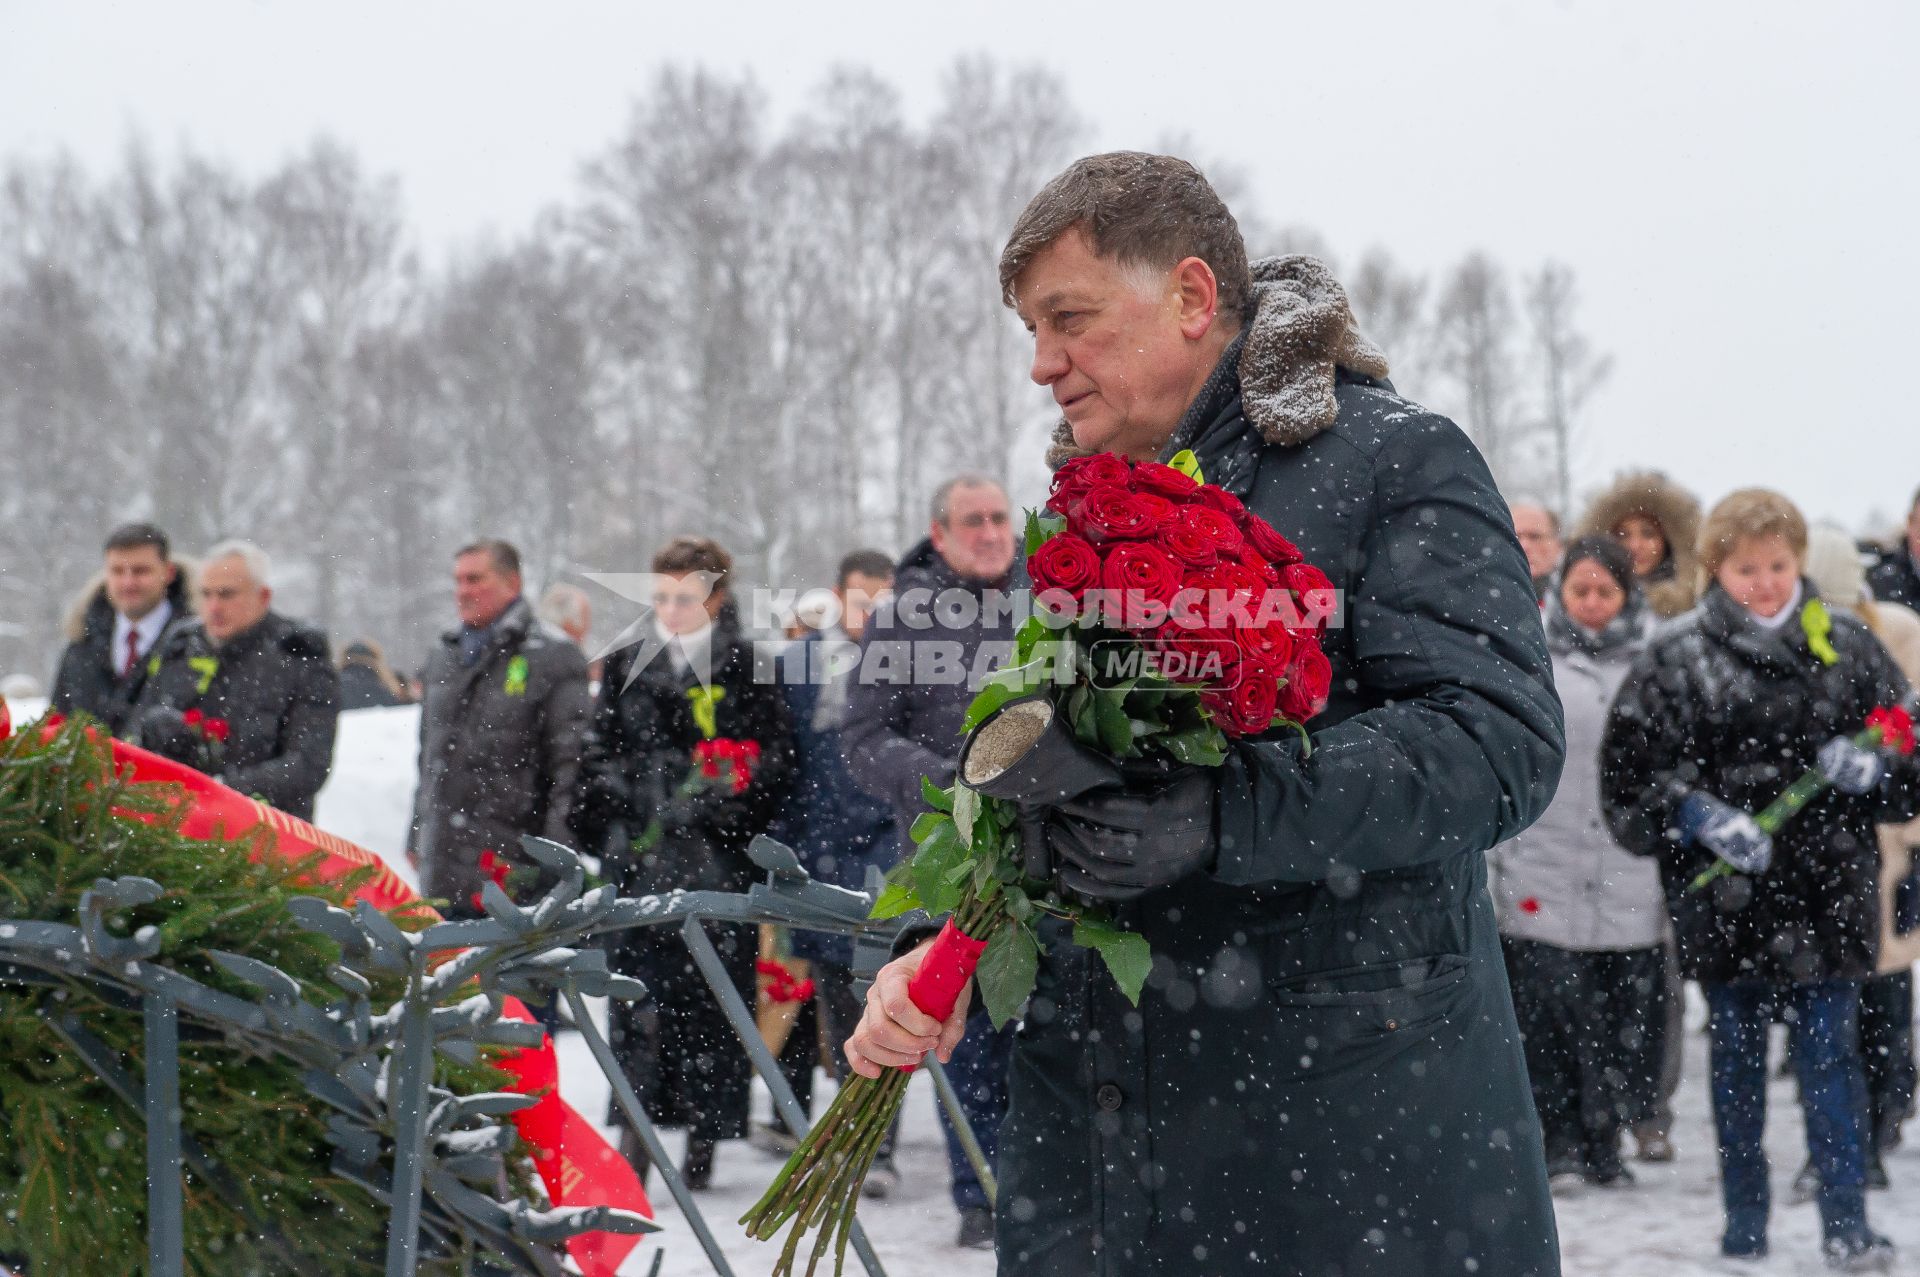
(1167, 619)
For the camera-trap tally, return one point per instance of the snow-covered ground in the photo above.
(1665, 1225)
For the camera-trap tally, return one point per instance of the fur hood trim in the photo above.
(1652, 495)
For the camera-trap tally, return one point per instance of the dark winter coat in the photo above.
(500, 748)
(922, 657)
(676, 1047)
(275, 687)
(837, 829)
(89, 680)
(1720, 706)
(361, 688)
(1565, 882)
(1323, 1075)
(640, 750)
(1674, 586)
(1896, 577)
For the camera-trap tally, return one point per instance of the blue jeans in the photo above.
(978, 1072)
(1825, 1018)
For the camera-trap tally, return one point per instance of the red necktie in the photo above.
(133, 652)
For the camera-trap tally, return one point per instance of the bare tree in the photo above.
(1568, 369)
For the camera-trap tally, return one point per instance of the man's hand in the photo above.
(1115, 844)
(1847, 767)
(1727, 832)
(895, 1034)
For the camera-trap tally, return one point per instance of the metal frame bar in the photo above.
(514, 948)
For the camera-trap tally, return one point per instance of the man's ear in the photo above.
(938, 533)
(1199, 297)
(266, 595)
(173, 571)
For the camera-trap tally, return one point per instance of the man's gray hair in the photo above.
(1141, 210)
(943, 495)
(259, 566)
(565, 607)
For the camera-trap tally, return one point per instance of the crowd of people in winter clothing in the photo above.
(1704, 666)
(1703, 663)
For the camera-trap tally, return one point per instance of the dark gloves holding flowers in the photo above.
(1111, 831)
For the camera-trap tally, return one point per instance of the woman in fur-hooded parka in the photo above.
(1672, 584)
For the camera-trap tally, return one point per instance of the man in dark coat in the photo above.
(1896, 577)
(267, 678)
(140, 601)
(1324, 1074)
(947, 626)
(501, 732)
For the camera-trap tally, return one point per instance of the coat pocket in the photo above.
(1358, 1018)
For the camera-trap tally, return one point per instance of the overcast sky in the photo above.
(1735, 183)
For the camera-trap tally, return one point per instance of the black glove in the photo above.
(1023, 753)
(1117, 844)
(164, 731)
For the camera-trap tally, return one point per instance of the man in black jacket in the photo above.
(267, 679)
(922, 658)
(141, 600)
(501, 732)
(1896, 578)
(1323, 1074)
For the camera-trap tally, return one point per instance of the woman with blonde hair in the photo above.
(1726, 709)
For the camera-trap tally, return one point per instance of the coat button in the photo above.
(1107, 1097)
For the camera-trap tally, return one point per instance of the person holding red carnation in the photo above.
(1758, 684)
(1323, 1074)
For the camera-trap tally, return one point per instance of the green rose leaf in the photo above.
(894, 900)
(1126, 954)
(966, 811)
(1202, 746)
(934, 796)
(931, 866)
(925, 823)
(1110, 715)
(1007, 971)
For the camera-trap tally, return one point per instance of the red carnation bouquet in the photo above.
(211, 736)
(1168, 619)
(718, 762)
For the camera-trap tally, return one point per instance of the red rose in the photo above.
(1072, 481)
(1269, 647)
(1223, 501)
(1309, 683)
(1064, 562)
(1315, 598)
(1161, 509)
(1225, 591)
(1258, 564)
(1251, 703)
(1530, 905)
(1270, 545)
(1151, 476)
(1199, 657)
(215, 729)
(1188, 544)
(192, 718)
(1211, 525)
(1114, 514)
(1142, 579)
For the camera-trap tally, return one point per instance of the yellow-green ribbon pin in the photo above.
(705, 714)
(206, 667)
(1817, 624)
(517, 676)
(1186, 463)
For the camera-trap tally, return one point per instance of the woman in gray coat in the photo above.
(1581, 920)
